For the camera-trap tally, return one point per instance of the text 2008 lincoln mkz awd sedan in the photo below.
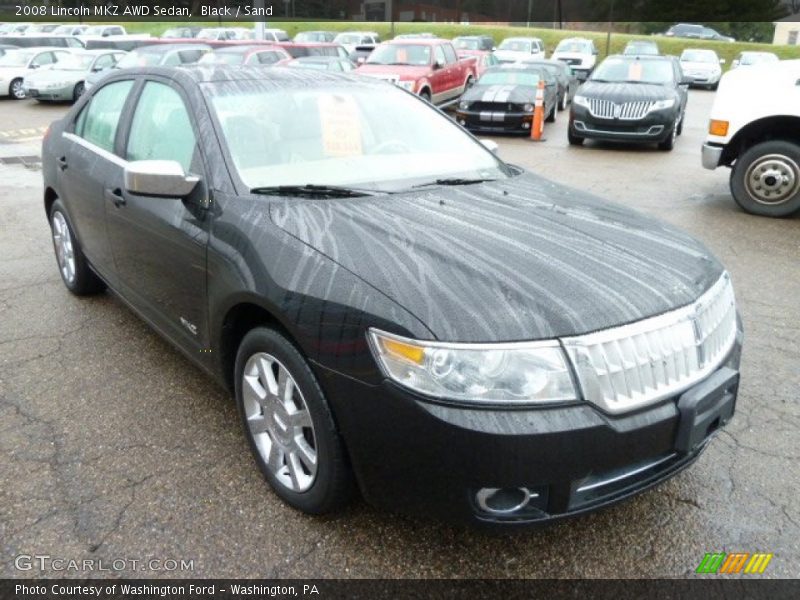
(395, 309)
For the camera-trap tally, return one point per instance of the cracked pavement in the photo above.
(112, 445)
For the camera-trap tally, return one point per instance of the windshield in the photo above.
(310, 36)
(509, 77)
(307, 64)
(75, 62)
(573, 46)
(208, 34)
(400, 54)
(647, 48)
(139, 59)
(15, 58)
(96, 30)
(466, 44)
(753, 58)
(515, 45)
(173, 33)
(348, 38)
(222, 58)
(340, 136)
(620, 70)
(704, 56)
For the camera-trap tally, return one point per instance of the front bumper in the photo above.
(711, 156)
(495, 121)
(54, 94)
(654, 127)
(430, 459)
(704, 78)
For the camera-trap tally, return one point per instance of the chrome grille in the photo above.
(606, 109)
(627, 367)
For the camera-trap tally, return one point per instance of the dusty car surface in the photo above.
(394, 308)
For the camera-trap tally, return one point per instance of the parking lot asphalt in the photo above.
(113, 446)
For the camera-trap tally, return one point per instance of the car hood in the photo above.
(511, 55)
(9, 72)
(502, 94)
(393, 71)
(687, 65)
(55, 75)
(518, 259)
(625, 92)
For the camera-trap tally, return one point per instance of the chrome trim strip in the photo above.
(625, 475)
(103, 153)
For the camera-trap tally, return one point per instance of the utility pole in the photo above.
(530, 8)
(610, 25)
(260, 24)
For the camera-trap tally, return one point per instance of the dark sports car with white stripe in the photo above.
(503, 99)
(394, 309)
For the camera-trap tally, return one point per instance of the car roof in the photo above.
(279, 77)
(641, 57)
(318, 59)
(522, 37)
(245, 48)
(164, 48)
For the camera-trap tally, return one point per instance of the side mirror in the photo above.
(490, 145)
(438, 64)
(163, 178)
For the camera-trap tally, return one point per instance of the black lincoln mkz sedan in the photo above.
(394, 308)
(631, 99)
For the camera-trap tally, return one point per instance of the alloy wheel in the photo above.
(279, 422)
(17, 89)
(62, 239)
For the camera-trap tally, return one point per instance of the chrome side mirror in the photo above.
(490, 145)
(163, 178)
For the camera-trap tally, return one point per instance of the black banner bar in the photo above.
(708, 588)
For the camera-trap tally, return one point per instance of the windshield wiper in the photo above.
(453, 181)
(312, 190)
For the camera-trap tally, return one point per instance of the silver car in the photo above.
(66, 80)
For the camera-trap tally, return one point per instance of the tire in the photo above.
(563, 104)
(80, 89)
(551, 117)
(281, 448)
(425, 95)
(754, 168)
(574, 140)
(469, 83)
(75, 271)
(15, 89)
(714, 87)
(680, 124)
(669, 143)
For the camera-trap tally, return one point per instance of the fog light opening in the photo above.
(503, 501)
(713, 426)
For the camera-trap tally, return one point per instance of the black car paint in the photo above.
(517, 259)
(632, 92)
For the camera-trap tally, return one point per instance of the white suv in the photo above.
(579, 53)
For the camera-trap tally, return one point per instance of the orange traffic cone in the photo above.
(537, 126)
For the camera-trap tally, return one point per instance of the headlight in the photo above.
(528, 108)
(513, 373)
(463, 105)
(581, 101)
(662, 104)
(407, 85)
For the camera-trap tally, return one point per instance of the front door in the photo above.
(159, 244)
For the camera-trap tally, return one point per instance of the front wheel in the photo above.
(574, 140)
(80, 89)
(765, 180)
(669, 143)
(289, 425)
(551, 116)
(564, 100)
(16, 89)
(425, 95)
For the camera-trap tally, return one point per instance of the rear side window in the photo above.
(98, 122)
(268, 58)
(161, 127)
(450, 54)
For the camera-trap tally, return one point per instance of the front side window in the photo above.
(161, 128)
(339, 135)
(450, 54)
(98, 122)
(400, 54)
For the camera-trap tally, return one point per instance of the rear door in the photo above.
(87, 159)
(159, 244)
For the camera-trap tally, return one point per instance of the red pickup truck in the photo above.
(427, 67)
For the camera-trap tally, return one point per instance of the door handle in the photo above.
(115, 195)
(62, 163)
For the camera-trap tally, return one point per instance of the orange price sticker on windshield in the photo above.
(341, 126)
(635, 71)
